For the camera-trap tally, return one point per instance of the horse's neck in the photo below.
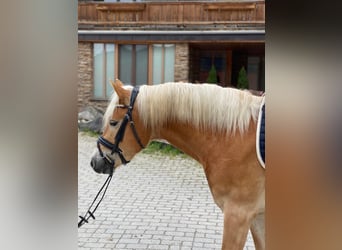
(204, 146)
(186, 138)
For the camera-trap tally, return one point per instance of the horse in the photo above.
(214, 125)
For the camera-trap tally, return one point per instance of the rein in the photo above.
(88, 214)
(114, 149)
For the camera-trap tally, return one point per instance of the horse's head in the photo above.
(123, 135)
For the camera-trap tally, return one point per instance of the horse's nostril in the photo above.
(92, 163)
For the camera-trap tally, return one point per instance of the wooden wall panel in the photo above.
(170, 13)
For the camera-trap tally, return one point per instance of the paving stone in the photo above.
(137, 246)
(150, 241)
(94, 245)
(128, 241)
(158, 247)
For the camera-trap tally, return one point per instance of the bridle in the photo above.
(114, 147)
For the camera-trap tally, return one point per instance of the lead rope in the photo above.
(90, 214)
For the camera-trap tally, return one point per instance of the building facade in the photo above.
(152, 42)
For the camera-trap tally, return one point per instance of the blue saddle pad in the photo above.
(262, 134)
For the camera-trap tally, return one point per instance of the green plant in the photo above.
(90, 133)
(163, 148)
(212, 77)
(242, 82)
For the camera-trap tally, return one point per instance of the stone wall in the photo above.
(182, 62)
(85, 73)
(85, 79)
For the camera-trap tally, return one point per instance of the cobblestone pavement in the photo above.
(155, 202)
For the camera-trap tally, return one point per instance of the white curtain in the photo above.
(126, 63)
(157, 63)
(110, 51)
(169, 62)
(141, 64)
(98, 69)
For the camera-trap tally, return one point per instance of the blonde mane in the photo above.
(206, 106)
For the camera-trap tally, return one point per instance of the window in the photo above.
(103, 69)
(163, 63)
(133, 64)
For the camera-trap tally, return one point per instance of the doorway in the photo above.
(228, 59)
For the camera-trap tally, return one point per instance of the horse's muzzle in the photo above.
(101, 165)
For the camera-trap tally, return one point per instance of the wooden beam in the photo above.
(225, 7)
(131, 23)
(121, 7)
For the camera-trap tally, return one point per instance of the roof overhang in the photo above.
(172, 36)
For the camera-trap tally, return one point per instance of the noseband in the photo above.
(120, 135)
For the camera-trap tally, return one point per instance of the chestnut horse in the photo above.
(216, 126)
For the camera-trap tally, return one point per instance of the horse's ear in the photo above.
(117, 84)
(123, 93)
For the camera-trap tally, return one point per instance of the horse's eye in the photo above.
(113, 123)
